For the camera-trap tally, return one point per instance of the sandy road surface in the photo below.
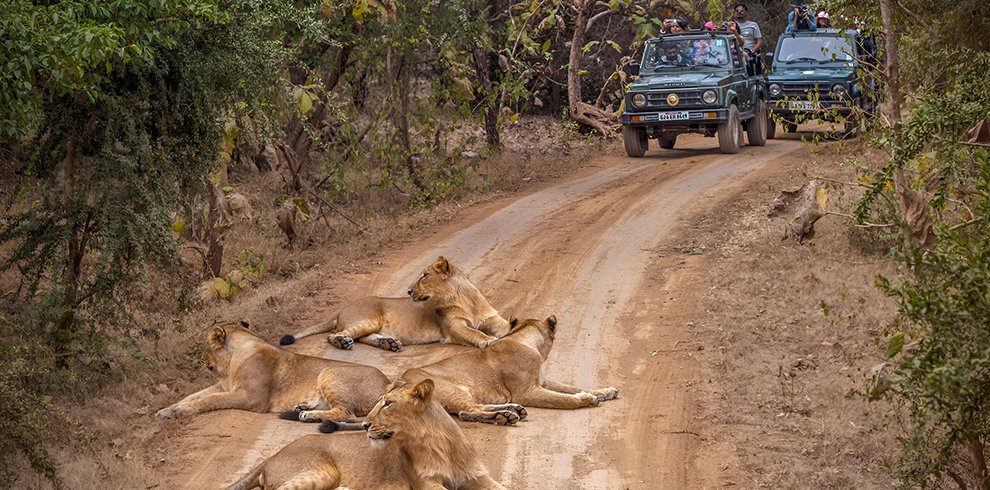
(592, 250)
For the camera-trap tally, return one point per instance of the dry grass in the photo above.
(793, 329)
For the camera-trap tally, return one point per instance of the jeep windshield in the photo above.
(680, 54)
(814, 50)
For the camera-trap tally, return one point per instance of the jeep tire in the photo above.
(756, 127)
(667, 142)
(635, 140)
(730, 132)
(771, 127)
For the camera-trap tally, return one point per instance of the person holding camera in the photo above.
(674, 26)
(799, 19)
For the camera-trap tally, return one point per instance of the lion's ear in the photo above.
(441, 265)
(422, 390)
(245, 324)
(216, 337)
(513, 322)
(552, 323)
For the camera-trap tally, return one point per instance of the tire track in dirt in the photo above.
(584, 250)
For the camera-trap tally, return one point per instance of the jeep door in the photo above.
(741, 82)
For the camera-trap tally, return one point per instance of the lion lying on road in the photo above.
(494, 384)
(259, 377)
(445, 307)
(420, 447)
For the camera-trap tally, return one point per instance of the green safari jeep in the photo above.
(817, 75)
(694, 82)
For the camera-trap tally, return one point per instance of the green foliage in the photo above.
(938, 379)
(116, 120)
(26, 417)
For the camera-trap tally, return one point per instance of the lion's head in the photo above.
(220, 347)
(400, 410)
(538, 334)
(440, 280)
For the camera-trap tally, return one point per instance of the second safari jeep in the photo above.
(695, 82)
(818, 75)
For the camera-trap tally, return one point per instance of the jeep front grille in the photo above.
(802, 90)
(688, 99)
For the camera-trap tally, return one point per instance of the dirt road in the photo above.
(601, 252)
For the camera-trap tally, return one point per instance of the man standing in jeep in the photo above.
(752, 37)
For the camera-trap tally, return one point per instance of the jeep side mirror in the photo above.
(634, 69)
(769, 59)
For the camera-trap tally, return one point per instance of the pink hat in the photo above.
(710, 25)
(822, 15)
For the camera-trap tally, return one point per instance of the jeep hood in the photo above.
(810, 74)
(668, 81)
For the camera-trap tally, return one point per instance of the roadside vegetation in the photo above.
(156, 157)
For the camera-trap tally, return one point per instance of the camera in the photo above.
(801, 8)
(669, 22)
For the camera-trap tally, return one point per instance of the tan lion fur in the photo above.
(445, 307)
(493, 385)
(260, 377)
(414, 444)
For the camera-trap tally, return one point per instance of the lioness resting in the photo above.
(420, 447)
(445, 307)
(259, 377)
(492, 385)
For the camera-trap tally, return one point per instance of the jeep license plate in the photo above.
(803, 105)
(673, 116)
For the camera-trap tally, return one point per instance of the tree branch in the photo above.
(599, 16)
(861, 225)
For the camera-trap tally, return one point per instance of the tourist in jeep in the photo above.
(672, 56)
(822, 20)
(799, 19)
(747, 31)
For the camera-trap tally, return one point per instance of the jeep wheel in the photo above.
(636, 141)
(756, 127)
(771, 128)
(730, 132)
(667, 142)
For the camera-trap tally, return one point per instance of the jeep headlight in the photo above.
(776, 90)
(839, 90)
(639, 100)
(709, 97)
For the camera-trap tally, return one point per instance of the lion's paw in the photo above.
(341, 342)
(506, 417)
(169, 413)
(390, 344)
(520, 410)
(487, 343)
(609, 393)
(308, 416)
(589, 399)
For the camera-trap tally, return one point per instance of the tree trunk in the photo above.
(585, 114)
(73, 259)
(893, 62)
(913, 204)
(402, 123)
(801, 227)
(217, 224)
(979, 462)
(482, 68)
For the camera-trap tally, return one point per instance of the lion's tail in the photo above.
(327, 326)
(249, 481)
(330, 426)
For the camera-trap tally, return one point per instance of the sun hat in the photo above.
(822, 15)
(710, 25)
